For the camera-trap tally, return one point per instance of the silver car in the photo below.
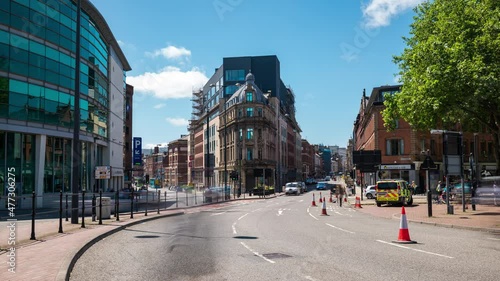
(293, 188)
(488, 191)
(370, 192)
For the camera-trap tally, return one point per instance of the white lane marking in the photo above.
(280, 212)
(256, 210)
(496, 239)
(312, 214)
(417, 250)
(243, 216)
(309, 278)
(234, 228)
(341, 229)
(256, 253)
(216, 214)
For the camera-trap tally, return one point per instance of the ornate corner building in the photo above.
(243, 122)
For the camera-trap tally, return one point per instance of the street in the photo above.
(285, 238)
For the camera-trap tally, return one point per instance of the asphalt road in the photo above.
(285, 238)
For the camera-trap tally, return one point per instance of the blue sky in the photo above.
(329, 50)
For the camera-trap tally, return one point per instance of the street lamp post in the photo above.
(161, 166)
(207, 153)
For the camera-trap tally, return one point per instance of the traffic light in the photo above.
(234, 175)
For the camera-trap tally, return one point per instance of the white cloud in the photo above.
(158, 106)
(179, 122)
(379, 12)
(169, 83)
(170, 52)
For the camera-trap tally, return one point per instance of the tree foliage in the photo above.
(450, 68)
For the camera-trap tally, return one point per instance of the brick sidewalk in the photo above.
(485, 217)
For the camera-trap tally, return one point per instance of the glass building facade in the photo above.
(37, 91)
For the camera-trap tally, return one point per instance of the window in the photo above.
(394, 147)
(240, 135)
(230, 89)
(249, 154)
(249, 133)
(250, 112)
(259, 112)
(249, 97)
(235, 75)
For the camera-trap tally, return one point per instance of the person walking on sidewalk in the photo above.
(439, 191)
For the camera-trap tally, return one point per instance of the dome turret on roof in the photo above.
(240, 94)
(250, 79)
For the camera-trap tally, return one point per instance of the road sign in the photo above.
(428, 164)
(102, 172)
(138, 151)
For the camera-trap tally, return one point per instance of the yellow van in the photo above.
(393, 192)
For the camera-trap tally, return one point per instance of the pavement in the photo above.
(51, 255)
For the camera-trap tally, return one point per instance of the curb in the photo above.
(67, 268)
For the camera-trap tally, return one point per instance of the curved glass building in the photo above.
(38, 64)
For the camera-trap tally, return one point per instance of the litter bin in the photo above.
(106, 207)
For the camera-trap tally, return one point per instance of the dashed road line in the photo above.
(341, 229)
(234, 228)
(417, 250)
(243, 216)
(256, 253)
(311, 214)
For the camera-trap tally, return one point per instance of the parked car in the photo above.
(292, 188)
(370, 192)
(303, 187)
(214, 194)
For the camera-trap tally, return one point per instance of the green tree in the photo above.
(450, 68)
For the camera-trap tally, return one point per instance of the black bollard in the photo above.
(132, 204)
(66, 206)
(146, 211)
(176, 198)
(187, 204)
(93, 206)
(33, 214)
(429, 202)
(159, 196)
(60, 212)
(100, 206)
(117, 208)
(165, 199)
(83, 208)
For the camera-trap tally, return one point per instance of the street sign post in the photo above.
(137, 151)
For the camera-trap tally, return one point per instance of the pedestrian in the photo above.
(413, 187)
(341, 194)
(439, 191)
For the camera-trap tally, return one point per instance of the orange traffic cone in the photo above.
(358, 203)
(314, 202)
(330, 200)
(404, 234)
(323, 209)
(320, 200)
